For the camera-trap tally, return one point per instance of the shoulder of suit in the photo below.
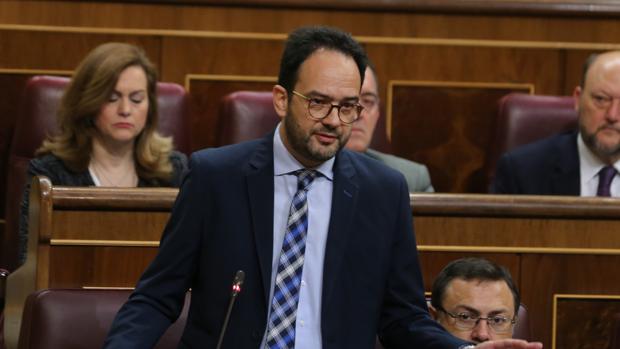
(546, 146)
(394, 160)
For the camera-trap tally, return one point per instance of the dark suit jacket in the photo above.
(547, 167)
(222, 222)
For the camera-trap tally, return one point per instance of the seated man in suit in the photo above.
(583, 163)
(324, 236)
(418, 179)
(475, 300)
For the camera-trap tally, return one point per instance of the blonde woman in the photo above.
(107, 129)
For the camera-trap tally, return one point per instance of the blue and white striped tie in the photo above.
(281, 327)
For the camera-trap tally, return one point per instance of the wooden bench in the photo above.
(86, 238)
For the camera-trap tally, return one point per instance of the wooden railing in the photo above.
(561, 251)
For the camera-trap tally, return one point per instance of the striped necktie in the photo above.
(281, 327)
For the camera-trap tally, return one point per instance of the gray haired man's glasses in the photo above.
(320, 108)
(467, 321)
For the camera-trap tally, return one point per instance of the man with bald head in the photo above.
(416, 175)
(583, 162)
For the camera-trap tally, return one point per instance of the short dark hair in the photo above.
(304, 41)
(472, 269)
(586, 66)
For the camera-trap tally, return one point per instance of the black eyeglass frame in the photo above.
(357, 106)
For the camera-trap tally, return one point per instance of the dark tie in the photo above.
(605, 176)
(281, 326)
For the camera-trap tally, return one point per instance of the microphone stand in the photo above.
(236, 288)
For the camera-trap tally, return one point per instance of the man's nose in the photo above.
(613, 113)
(481, 332)
(332, 119)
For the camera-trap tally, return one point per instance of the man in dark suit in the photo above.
(584, 163)
(332, 271)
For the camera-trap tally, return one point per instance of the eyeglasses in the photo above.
(320, 109)
(467, 321)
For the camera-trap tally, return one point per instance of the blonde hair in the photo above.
(90, 88)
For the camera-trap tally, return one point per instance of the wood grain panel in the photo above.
(104, 225)
(585, 322)
(448, 128)
(545, 275)
(559, 233)
(442, 23)
(551, 7)
(433, 262)
(62, 51)
(205, 96)
(82, 266)
(222, 56)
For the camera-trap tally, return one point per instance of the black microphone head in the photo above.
(239, 277)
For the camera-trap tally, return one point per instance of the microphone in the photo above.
(236, 288)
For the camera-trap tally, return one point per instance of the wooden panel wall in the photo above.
(585, 316)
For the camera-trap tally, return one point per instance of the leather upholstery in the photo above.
(41, 100)
(524, 119)
(522, 327)
(80, 318)
(247, 115)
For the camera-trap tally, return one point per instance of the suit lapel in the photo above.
(260, 191)
(344, 201)
(566, 177)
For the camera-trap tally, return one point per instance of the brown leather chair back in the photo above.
(80, 318)
(524, 119)
(246, 115)
(38, 119)
(522, 327)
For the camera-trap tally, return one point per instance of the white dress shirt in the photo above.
(589, 167)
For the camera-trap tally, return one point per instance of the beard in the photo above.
(305, 144)
(601, 149)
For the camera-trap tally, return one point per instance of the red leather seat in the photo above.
(80, 318)
(246, 115)
(41, 100)
(524, 118)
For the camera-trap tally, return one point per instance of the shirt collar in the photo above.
(589, 163)
(285, 163)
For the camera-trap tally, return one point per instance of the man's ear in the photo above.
(577, 96)
(280, 100)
